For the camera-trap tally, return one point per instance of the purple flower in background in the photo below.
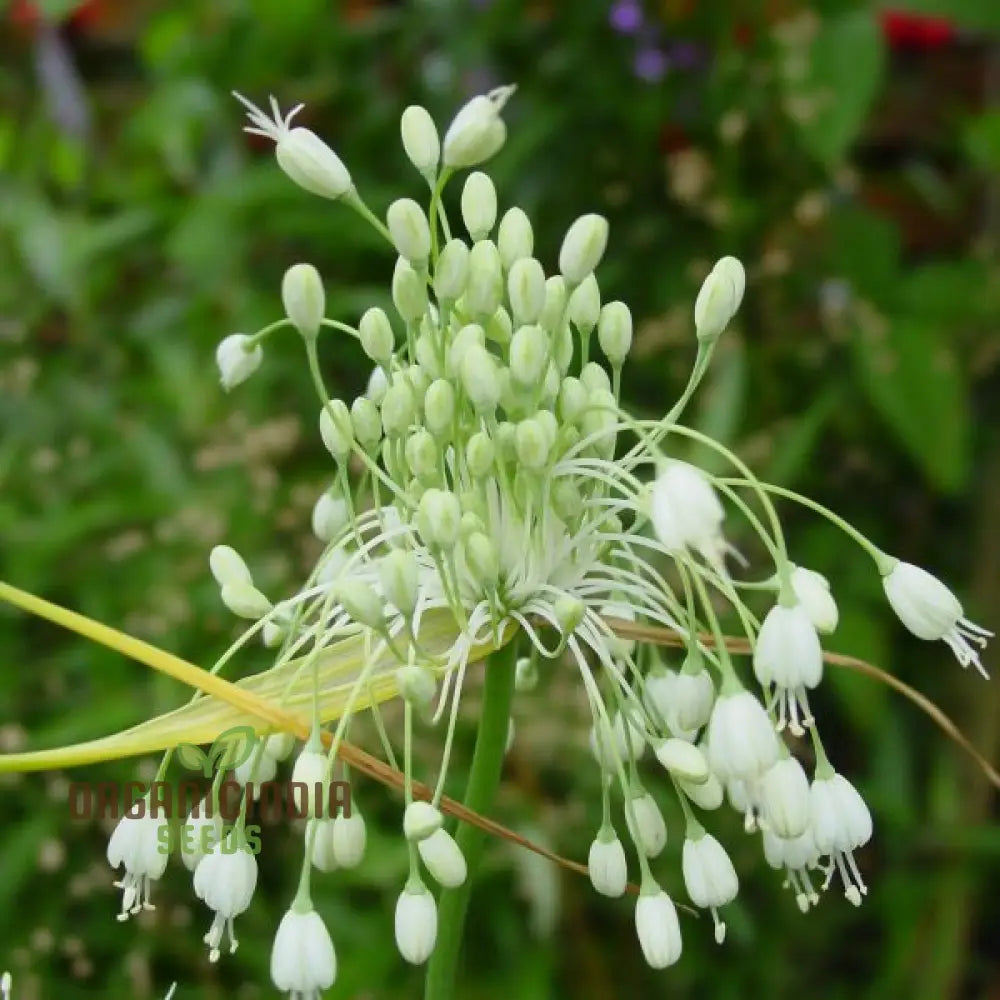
(626, 17)
(650, 64)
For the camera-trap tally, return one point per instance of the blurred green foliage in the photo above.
(138, 225)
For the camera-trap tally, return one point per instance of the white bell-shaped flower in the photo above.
(303, 961)
(795, 857)
(709, 876)
(931, 611)
(685, 511)
(841, 823)
(784, 795)
(225, 879)
(202, 831)
(138, 845)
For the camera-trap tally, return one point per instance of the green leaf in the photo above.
(846, 63)
(911, 376)
(194, 758)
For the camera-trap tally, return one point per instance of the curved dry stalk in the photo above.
(667, 637)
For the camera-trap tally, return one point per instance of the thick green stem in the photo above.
(484, 777)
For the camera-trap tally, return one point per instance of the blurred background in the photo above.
(849, 154)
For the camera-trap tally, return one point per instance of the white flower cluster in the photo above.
(503, 487)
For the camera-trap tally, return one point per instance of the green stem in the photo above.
(484, 777)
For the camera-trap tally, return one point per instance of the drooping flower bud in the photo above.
(606, 864)
(657, 928)
(583, 247)
(479, 205)
(420, 139)
(416, 923)
(477, 131)
(236, 359)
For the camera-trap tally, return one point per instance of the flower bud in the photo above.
(415, 923)
(443, 858)
(595, 378)
(555, 302)
(227, 566)
(480, 380)
(410, 231)
(400, 581)
(719, 298)
(528, 354)
(378, 383)
(479, 205)
(479, 454)
(526, 290)
(329, 517)
(312, 164)
(645, 823)
(525, 674)
(813, 592)
(614, 332)
(303, 298)
(477, 131)
(420, 139)
(452, 271)
(658, 928)
(420, 820)
(279, 745)
(398, 409)
(572, 400)
(236, 360)
(376, 335)
(470, 335)
(607, 866)
(568, 613)
(585, 304)
(336, 429)
(422, 455)
(367, 423)
(245, 600)
(439, 518)
(439, 406)
(310, 769)
(482, 559)
(349, 839)
(361, 602)
(409, 292)
(515, 238)
(499, 327)
(484, 289)
(566, 499)
(683, 760)
(583, 247)
(533, 445)
(417, 686)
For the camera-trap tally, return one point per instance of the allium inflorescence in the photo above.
(490, 476)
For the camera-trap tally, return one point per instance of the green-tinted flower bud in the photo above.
(439, 406)
(595, 378)
(529, 353)
(477, 131)
(474, 503)
(563, 348)
(484, 289)
(555, 302)
(479, 205)
(400, 579)
(416, 685)
(480, 380)
(550, 385)
(566, 499)
(568, 612)
(482, 560)
(585, 304)
(409, 292)
(583, 247)
(426, 352)
(422, 455)
(376, 335)
(499, 327)
(471, 335)
(568, 437)
(415, 490)
(367, 423)
(533, 444)
(506, 440)
(410, 231)
(439, 518)
(479, 455)
(245, 600)
(418, 380)
(304, 299)
(719, 298)
(614, 332)
(525, 675)
(471, 524)
(420, 139)
(452, 272)
(336, 429)
(330, 516)
(514, 237)
(398, 409)
(526, 290)
(600, 417)
(572, 400)
(547, 421)
(378, 382)
(361, 602)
